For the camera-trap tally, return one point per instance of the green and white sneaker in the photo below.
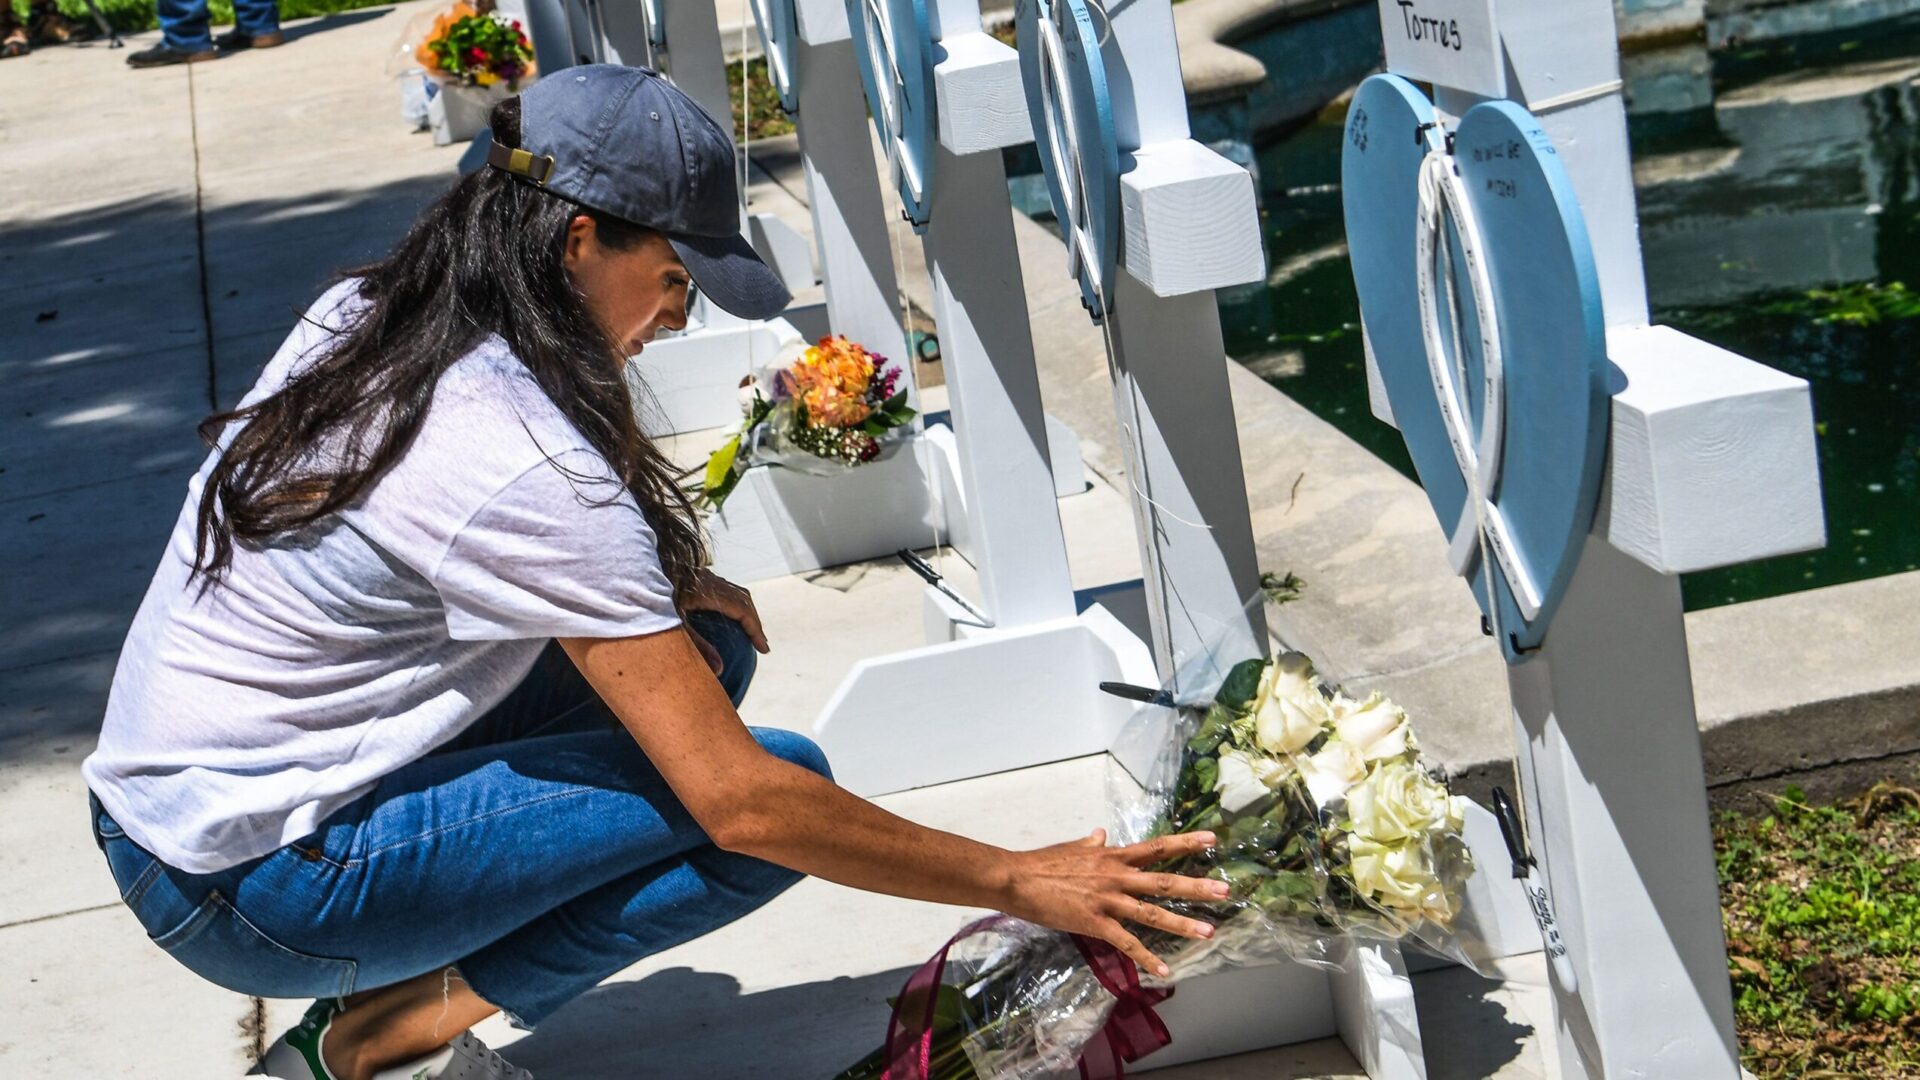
(296, 1055)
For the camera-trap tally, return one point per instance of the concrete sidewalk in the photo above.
(161, 231)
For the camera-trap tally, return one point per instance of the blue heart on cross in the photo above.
(778, 28)
(1072, 117)
(893, 44)
(1482, 310)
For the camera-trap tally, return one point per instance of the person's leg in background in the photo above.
(256, 25)
(185, 36)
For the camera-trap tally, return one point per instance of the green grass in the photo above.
(1822, 907)
(130, 16)
(1865, 303)
(763, 101)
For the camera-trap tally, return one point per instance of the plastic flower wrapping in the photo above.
(833, 407)
(1331, 833)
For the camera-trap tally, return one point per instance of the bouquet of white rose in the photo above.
(1329, 831)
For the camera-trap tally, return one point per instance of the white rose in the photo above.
(1376, 727)
(1331, 771)
(1289, 709)
(1265, 689)
(1398, 878)
(1239, 788)
(1399, 802)
(1246, 778)
(1291, 676)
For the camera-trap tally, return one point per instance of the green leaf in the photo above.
(1281, 589)
(1213, 730)
(720, 465)
(1245, 875)
(1206, 773)
(1204, 820)
(1242, 682)
(1286, 889)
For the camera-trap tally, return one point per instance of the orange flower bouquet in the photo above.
(835, 407)
(475, 47)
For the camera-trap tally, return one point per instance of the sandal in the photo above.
(49, 26)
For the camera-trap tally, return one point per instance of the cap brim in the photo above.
(729, 272)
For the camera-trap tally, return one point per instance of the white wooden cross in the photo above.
(1032, 646)
(843, 190)
(1000, 430)
(1710, 462)
(1188, 225)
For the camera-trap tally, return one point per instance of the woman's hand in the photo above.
(711, 592)
(750, 802)
(1086, 887)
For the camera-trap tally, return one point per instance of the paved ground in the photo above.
(160, 230)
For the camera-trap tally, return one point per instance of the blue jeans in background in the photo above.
(539, 852)
(184, 22)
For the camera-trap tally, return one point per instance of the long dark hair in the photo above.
(484, 259)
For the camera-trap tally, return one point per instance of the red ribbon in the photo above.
(1132, 1031)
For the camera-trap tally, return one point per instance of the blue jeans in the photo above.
(184, 22)
(539, 852)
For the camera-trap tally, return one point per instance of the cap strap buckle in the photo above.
(521, 162)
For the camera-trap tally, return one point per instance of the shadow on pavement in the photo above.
(105, 372)
(1464, 1030)
(681, 1022)
(335, 21)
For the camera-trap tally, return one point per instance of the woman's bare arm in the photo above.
(754, 803)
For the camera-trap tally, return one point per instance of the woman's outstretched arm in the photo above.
(751, 802)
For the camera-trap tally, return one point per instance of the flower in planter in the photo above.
(477, 48)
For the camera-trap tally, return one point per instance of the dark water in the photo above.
(1780, 216)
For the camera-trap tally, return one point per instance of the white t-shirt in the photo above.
(243, 714)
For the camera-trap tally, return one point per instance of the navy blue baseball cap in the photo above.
(625, 141)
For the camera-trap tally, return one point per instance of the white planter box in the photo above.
(458, 112)
(692, 382)
(1049, 672)
(1243, 1009)
(779, 522)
